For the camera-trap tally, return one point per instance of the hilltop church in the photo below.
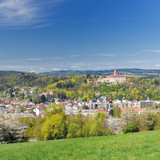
(113, 79)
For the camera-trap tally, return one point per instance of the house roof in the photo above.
(112, 76)
(40, 108)
(134, 109)
(102, 110)
(45, 93)
(94, 100)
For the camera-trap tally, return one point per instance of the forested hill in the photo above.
(3, 73)
(133, 71)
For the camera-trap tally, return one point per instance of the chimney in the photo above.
(115, 72)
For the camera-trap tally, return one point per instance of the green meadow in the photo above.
(136, 146)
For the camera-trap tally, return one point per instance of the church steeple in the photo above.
(115, 72)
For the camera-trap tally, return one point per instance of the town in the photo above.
(19, 108)
(26, 108)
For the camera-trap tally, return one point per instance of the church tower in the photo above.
(115, 72)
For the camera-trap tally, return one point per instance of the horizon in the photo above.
(78, 35)
(77, 70)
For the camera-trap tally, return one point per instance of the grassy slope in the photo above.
(137, 146)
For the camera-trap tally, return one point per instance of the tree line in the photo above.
(77, 88)
(57, 125)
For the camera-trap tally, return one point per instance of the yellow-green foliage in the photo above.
(51, 127)
(53, 109)
(52, 85)
(147, 120)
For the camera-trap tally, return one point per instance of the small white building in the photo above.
(38, 111)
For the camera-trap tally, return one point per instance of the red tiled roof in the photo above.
(134, 109)
(40, 108)
(116, 76)
(102, 110)
(43, 113)
(45, 93)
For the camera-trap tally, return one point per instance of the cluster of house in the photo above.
(47, 95)
(73, 107)
(29, 90)
(113, 79)
(137, 106)
(102, 104)
(21, 108)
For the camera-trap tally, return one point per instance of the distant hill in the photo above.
(3, 73)
(133, 71)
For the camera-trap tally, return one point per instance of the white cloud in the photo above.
(24, 12)
(75, 67)
(79, 64)
(106, 55)
(141, 61)
(45, 58)
(75, 55)
(153, 51)
(56, 69)
(54, 58)
(12, 67)
(157, 65)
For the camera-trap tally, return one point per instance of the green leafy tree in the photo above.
(98, 127)
(54, 109)
(54, 127)
(76, 125)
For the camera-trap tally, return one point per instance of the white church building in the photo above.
(113, 79)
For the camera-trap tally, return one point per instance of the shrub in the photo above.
(147, 120)
(10, 130)
(131, 128)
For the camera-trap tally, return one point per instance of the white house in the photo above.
(38, 111)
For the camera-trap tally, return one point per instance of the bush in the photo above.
(131, 128)
(147, 120)
(10, 130)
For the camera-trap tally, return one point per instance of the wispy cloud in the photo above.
(106, 55)
(12, 67)
(56, 69)
(75, 67)
(141, 61)
(45, 58)
(19, 13)
(153, 51)
(74, 55)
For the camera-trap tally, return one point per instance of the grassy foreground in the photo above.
(137, 146)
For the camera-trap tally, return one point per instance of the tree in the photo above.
(135, 94)
(10, 132)
(98, 126)
(64, 126)
(54, 109)
(42, 99)
(54, 127)
(131, 128)
(72, 130)
(116, 112)
(76, 125)
(128, 116)
(147, 120)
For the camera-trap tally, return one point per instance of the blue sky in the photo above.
(52, 35)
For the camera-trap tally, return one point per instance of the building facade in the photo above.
(113, 79)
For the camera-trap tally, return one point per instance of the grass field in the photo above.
(137, 146)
